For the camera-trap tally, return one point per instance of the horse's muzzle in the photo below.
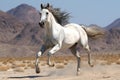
(41, 24)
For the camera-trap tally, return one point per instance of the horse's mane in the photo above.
(56, 14)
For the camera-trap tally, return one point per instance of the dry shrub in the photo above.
(65, 62)
(59, 66)
(4, 68)
(21, 65)
(112, 59)
(4, 62)
(59, 61)
(118, 62)
(64, 59)
(7, 60)
(31, 65)
(109, 58)
(43, 58)
(19, 69)
(14, 65)
(43, 64)
(102, 62)
(27, 61)
(109, 62)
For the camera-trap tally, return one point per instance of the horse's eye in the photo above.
(46, 13)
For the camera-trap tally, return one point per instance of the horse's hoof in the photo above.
(51, 65)
(78, 73)
(91, 65)
(37, 70)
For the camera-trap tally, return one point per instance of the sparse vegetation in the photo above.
(20, 64)
(118, 62)
(19, 69)
(31, 65)
(4, 68)
(59, 66)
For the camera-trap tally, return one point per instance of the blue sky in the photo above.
(100, 12)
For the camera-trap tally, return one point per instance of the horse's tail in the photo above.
(94, 32)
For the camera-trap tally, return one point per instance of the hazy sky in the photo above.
(100, 12)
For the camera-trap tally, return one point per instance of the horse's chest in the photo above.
(53, 37)
(50, 41)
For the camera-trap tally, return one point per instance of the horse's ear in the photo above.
(48, 5)
(41, 6)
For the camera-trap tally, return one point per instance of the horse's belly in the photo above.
(69, 42)
(66, 46)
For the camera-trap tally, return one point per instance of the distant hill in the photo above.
(113, 38)
(114, 24)
(10, 26)
(31, 33)
(25, 13)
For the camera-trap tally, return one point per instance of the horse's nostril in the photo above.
(41, 24)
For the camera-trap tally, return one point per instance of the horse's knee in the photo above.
(87, 48)
(77, 54)
(39, 53)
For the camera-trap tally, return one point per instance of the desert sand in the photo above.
(102, 70)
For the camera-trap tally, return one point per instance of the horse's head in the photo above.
(44, 14)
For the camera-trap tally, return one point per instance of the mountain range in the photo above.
(20, 33)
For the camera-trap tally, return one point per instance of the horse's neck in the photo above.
(53, 25)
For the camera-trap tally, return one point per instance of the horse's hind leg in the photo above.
(76, 54)
(89, 56)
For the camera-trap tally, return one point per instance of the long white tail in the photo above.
(93, 32)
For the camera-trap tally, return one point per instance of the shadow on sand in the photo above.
(20, 77)
(30, 76)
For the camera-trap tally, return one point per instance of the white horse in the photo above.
(59, 37)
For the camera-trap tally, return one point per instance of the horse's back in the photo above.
(75, 28)
(71, 25)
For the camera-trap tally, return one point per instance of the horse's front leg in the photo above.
(57, 47)
(42, 50)
(52, 51)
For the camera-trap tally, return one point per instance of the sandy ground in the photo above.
(100, 71)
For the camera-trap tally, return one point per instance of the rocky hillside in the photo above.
(31, 33)
(10, 27)
(25, 13)
(114, 24)
(113, 38)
